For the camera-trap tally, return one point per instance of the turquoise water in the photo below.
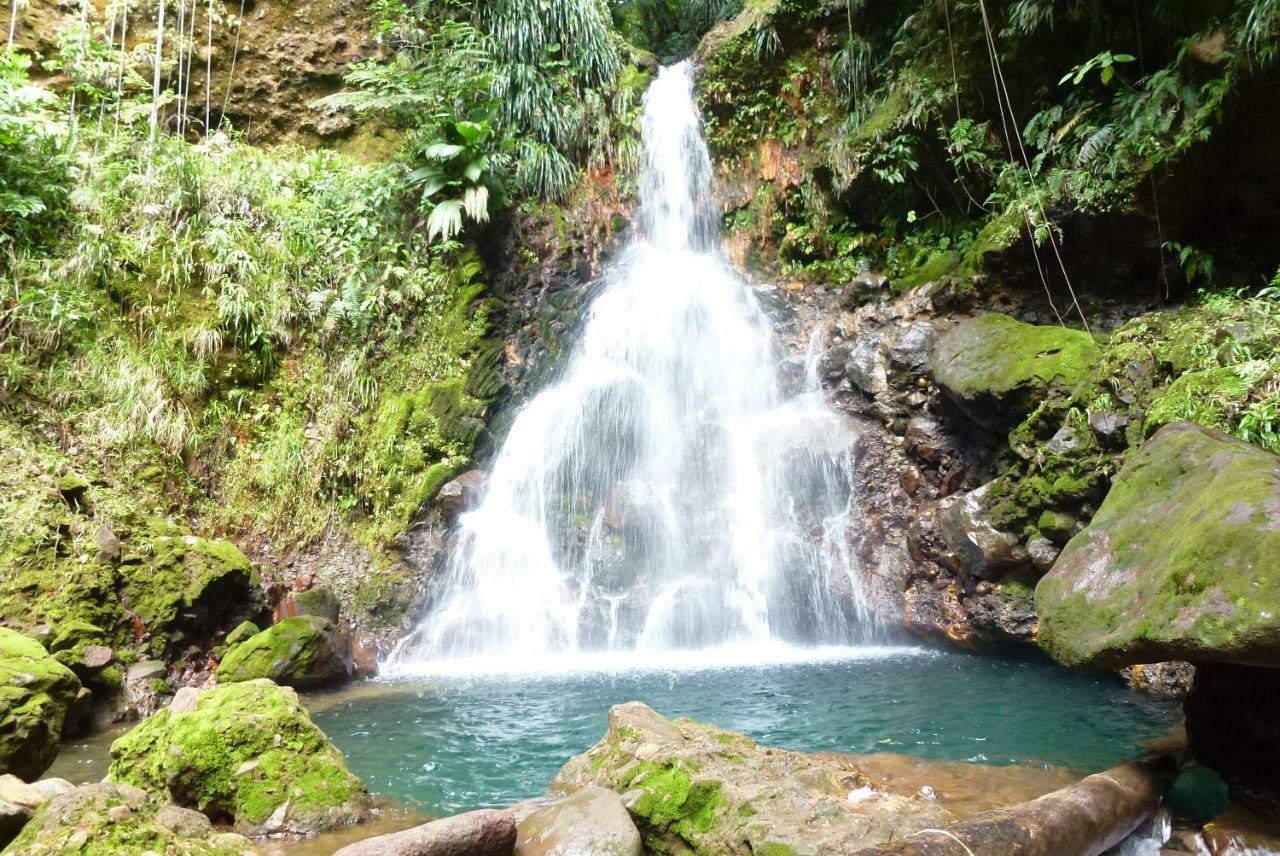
(453, 743)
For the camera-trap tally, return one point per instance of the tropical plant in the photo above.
(35, 166)
(458, 179)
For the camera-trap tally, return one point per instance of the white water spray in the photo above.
(665, 495)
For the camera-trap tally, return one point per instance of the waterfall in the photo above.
(667, 494)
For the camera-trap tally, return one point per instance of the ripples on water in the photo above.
(449, 742)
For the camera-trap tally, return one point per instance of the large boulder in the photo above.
(247, 753)
(476, 833)
(1182, 561)
(998, 369)
(593, 820)
(695, 787)
(109, 818)
(35, 694)
(304, 652)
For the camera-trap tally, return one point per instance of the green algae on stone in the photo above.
(695, 788)
(302, 652)
(107, 819)
(999, 369)
(1182, 561)
(247, 752)
(35, 693)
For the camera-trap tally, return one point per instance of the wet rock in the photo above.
(18, 802)
(241, 632)
(1172, 680)
(998, 369)
(248, 752)
(1043, 553)
(695, 787)
(865, 288)
(865, 368)
(124, 819)
(1175, 565)
(462, 494)
(984, 550)
(476, 833)
(302, 652)
(52, 787)
(909, 350)
(36, 691)
(593, 820)
(1058, 526)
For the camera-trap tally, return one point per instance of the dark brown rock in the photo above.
(461, 494)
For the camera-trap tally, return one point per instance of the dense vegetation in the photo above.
(273, 344)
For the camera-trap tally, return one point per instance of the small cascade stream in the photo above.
(666, 494)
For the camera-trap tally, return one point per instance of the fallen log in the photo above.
(1084, 819)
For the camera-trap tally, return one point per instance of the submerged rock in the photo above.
(36, 692)
(109, 819)
(1182, 561)
(998, 369)
(247, 753)
(593, 820)
(303, 652)
(476, 833)
(695, 787)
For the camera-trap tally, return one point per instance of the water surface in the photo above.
(449, 742)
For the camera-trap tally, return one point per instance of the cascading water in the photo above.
(665, 494)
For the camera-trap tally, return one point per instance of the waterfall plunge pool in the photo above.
(451, 742)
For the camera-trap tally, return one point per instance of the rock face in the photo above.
(246, 753)
(112, 819)
(696, 787)
(998, 369)
(476, 833)
(1182, 561)
(593, 820)
(303, 652)
(35, 694)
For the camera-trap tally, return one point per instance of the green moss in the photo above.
(242, 752)
(1179, 563)
(288, 653)
(35, 693)
(671, 799)
(1209, 397)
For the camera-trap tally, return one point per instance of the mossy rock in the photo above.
(696, 788)
(999, 369)
(107, 819)
(305, 651)
(1182, 561)
(248, 753)
(35, 694)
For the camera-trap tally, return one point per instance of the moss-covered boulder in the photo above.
(998, 369)
(119, 820)
(696, 788)
(246, 753)
(304, 652)
(1182, 561)
(35, 693)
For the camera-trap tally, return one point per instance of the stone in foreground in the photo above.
(1182, 562)
(476, 833)
(302, 652)
(690, 786)
(998, 369)
(248, 753)
(593, 820)
(35, 693)
(18, 802)
(111, 819)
